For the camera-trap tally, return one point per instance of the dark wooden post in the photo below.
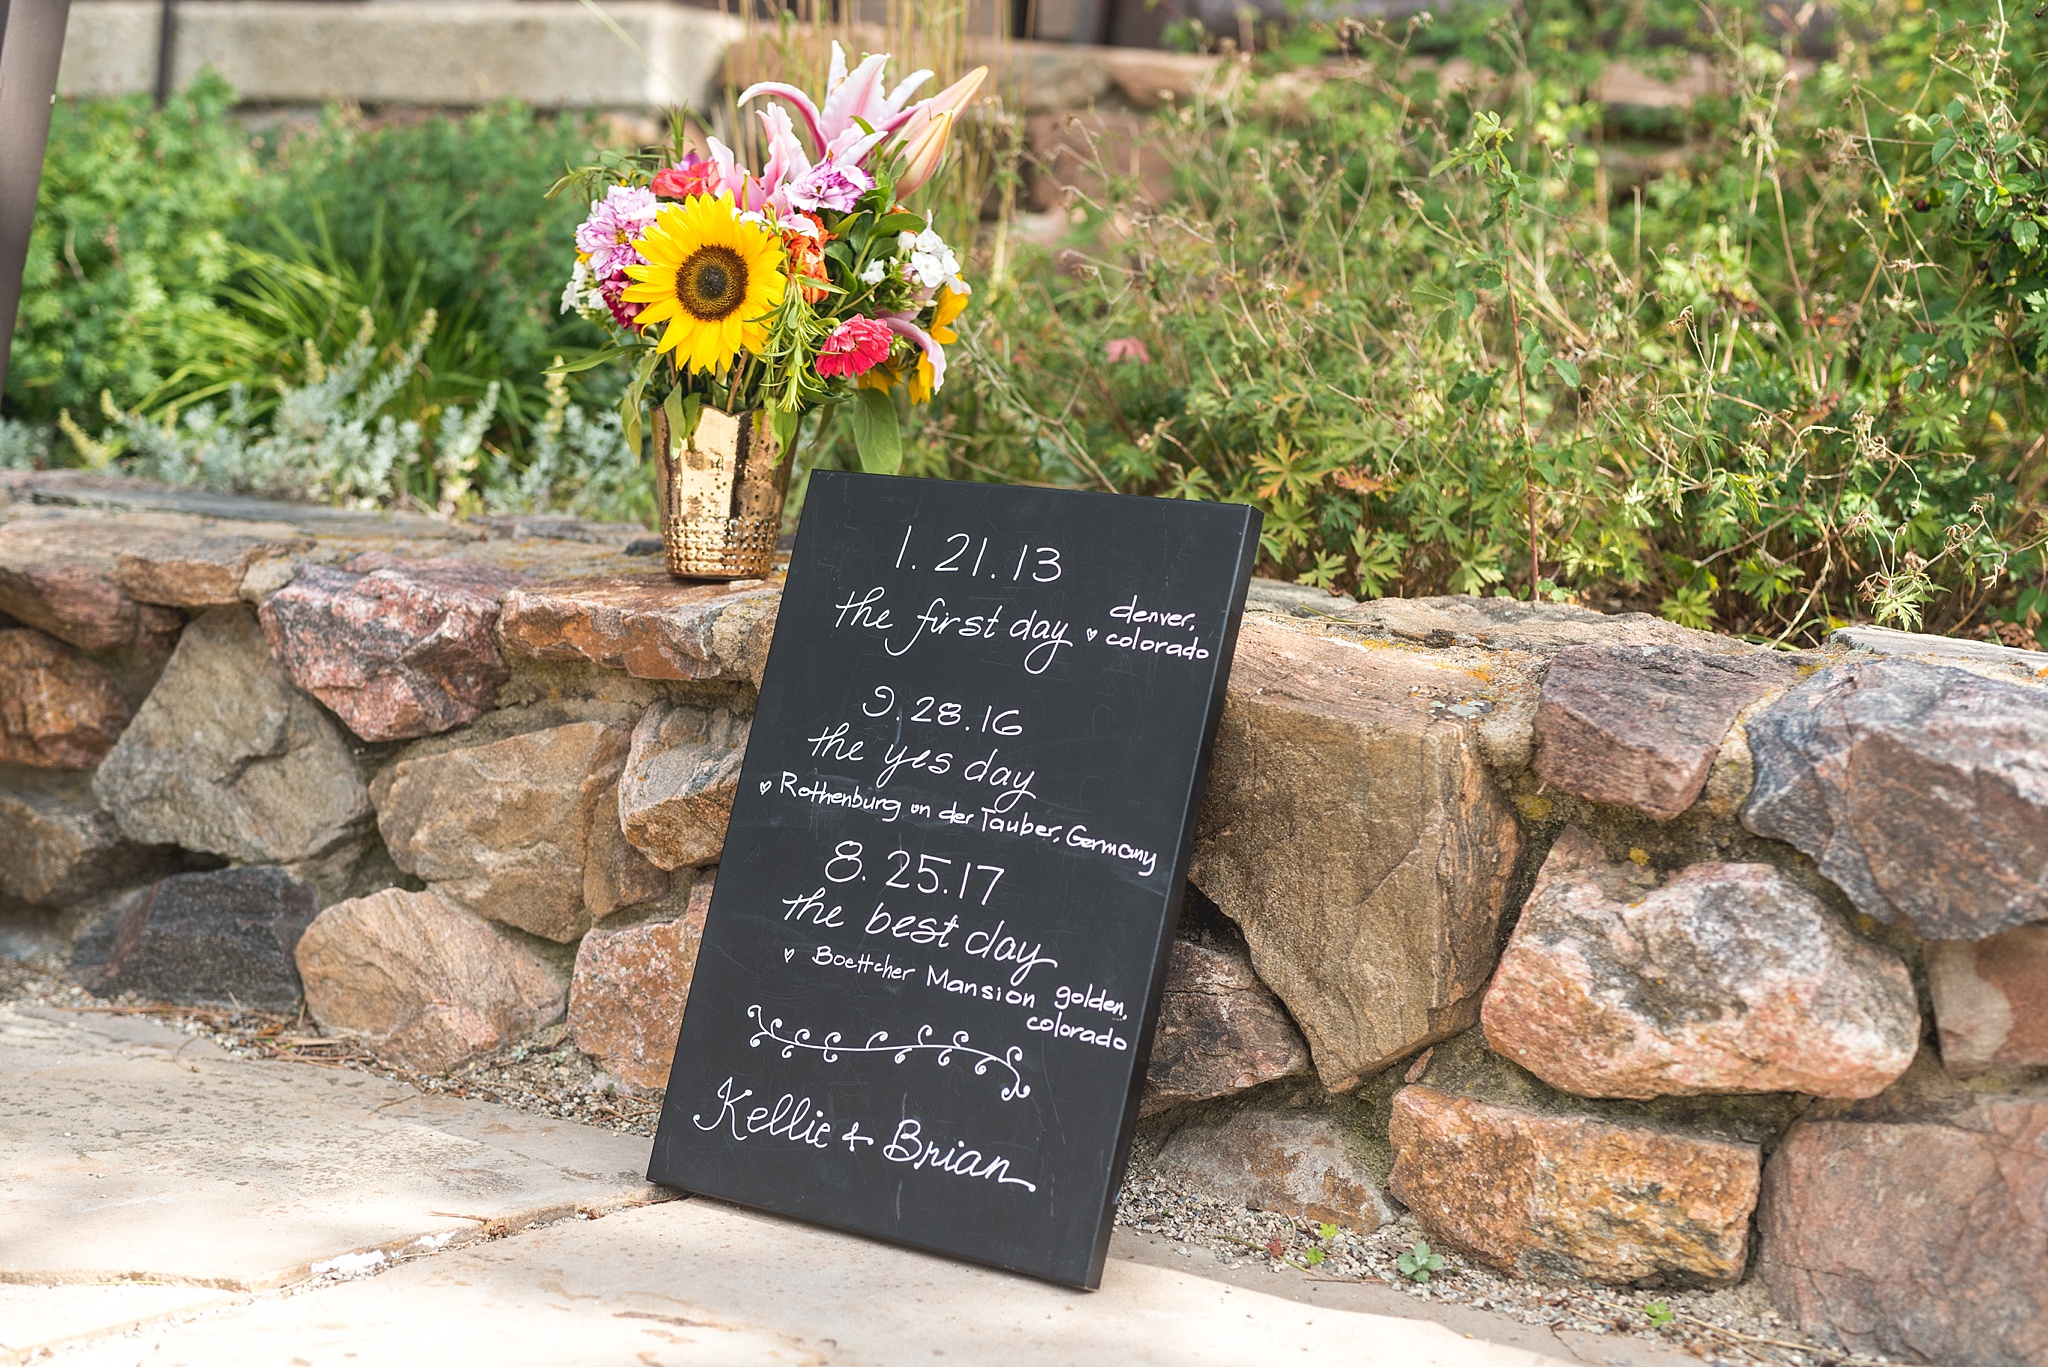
(31, 43)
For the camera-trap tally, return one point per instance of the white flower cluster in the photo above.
(931, 262)
(581, 295)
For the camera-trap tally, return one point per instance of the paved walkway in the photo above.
(163, 1203)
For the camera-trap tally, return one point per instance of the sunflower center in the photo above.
(711, 283)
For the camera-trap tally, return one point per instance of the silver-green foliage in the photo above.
(23, 446)
(328, 439)
(577, 463)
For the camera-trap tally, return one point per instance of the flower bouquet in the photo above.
(744, 301)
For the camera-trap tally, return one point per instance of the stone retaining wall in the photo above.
(1613, 950)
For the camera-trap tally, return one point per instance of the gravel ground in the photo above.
(546, 1075)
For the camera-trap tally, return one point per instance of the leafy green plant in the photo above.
(1451, 339)
(133, 239)
(1659, 1313)
(1419, 1263)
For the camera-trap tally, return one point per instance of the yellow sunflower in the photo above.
(711, 277)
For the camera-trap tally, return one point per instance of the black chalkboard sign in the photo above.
(934, 955)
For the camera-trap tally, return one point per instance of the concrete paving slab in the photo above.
(37, 1317)
(130, 1151)
(698, 1282)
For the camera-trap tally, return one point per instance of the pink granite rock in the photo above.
(426, 983)
(649, 625)
(58, 710)
(1728, 978)
(1637, 726)
(1922, 1238)
(401, 651)
(626, 998)
(1991, 1000)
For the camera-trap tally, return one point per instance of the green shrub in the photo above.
(133, 240)
(1794, 380)
(445, 214)
(187, 283)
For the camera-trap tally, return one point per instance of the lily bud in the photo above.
(922, 156)
(956, 95)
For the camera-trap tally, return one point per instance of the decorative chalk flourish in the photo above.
(831, 1047)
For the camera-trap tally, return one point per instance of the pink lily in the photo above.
(851, 99)
(732, 178)
(902, 326)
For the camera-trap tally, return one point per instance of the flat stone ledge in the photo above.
(35, 1320)
(650, 625)
(554, 54)
(1946, 649)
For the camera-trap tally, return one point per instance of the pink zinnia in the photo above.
(855, 347)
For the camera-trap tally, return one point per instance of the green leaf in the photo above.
(1313, 1256)
(679, 427)
(1327, 1230)
(875, 433)
(1468, 303)
(1566, 371)
(784, 423)
(900, 223)
(590, 362)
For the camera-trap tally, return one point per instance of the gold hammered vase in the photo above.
(721, 493)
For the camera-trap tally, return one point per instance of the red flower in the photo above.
(690, 176)
(613, 292)
(856, 346)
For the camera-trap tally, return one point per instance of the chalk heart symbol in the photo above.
(766, 784)
(788, 954)
(1091, 633)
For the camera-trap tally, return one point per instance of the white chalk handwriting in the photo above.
(832, 1047)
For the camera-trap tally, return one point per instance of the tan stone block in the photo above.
(676, 794)
(1352, 829)
(1294, 1163)
(649, 625)
(504, 828)
(426, 983)
(1571, 1196)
